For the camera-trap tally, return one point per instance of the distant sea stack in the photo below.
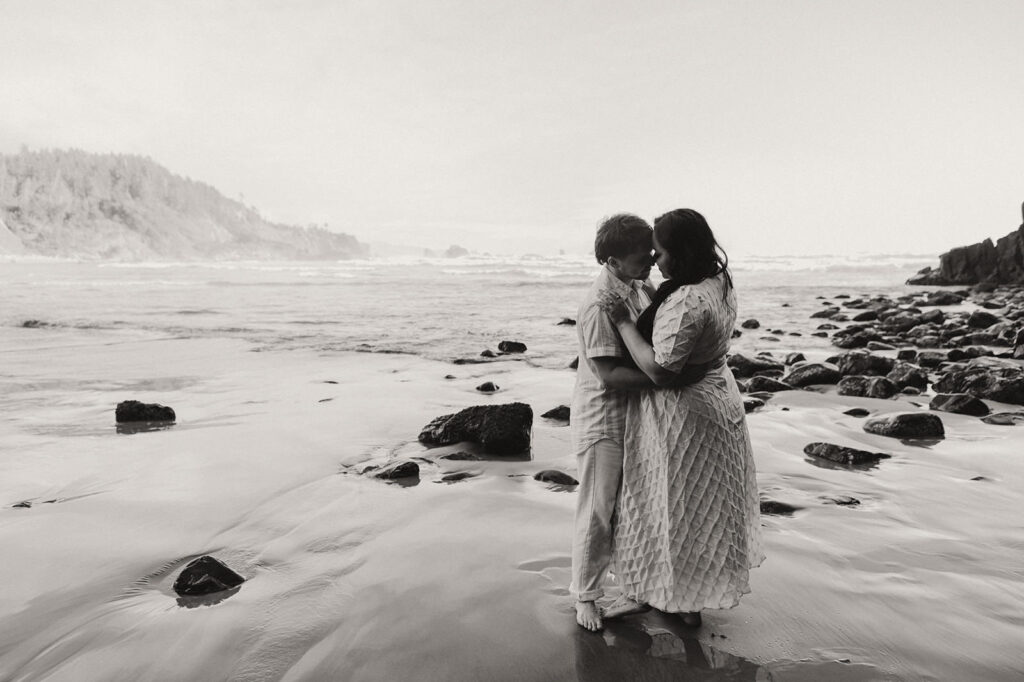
(73, 204)
(999, 263)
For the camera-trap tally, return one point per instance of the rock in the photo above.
(944, 298)
(981, 319)
(931, 358)
(500, 429)
(750, 324)
(488, 353)
(403, 469)
(457, 476)
(867, 387)
(205, 575)
(575, 364)
(744, 367)
(487, 387)
(793, 358)
(568, 321)
(35, 324)
(907, 425)
(762, 383)
(1004, 418)
(512, 347)
(751, 404)
(468, 361)
(827, 326)
(904, 374)
(555, 476)
(22, 505)
(449, 376)
(823, 335)
(861, 363)
(857, 412)
(906, 354)
(959, 403)
(561, 413)
(812, 373)
(878, 345)
(843, 455)
(827, 313)
(865, 316)
(134, 411)
(776, 508)
(841, 500)
(1004, 384)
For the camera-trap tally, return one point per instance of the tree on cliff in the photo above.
(74, 204)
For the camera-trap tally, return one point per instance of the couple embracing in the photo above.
(668, 494)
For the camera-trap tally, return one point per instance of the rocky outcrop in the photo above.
(985, 379)
(999, 263)
(499, 429)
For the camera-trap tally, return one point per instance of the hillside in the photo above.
(74, 204)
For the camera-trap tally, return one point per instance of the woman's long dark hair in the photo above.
(695, 256)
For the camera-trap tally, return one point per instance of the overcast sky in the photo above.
(796, 127)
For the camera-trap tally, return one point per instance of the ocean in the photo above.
(436, 308)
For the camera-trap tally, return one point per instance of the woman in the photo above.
(688, 527)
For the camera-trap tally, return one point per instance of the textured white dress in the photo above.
(688, 523)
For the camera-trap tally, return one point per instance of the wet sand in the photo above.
(352, 578)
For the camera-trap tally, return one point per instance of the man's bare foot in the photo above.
(624, 606)
(588, 616)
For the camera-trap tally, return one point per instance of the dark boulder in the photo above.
(862, 363)
(959, 403)
(555, 476)
(908, 425)
(205, 575)
(857, 412)
(793, 358)
(906, 354)
(867, 387)
(134, 411)
(843, 455)
(943, 298)
(403, 469)
(865, 316)
(768, 384)
(931, 358)
(981, 319)
(904, 374)
(512, 347)
(744, 367)
(812, 373)
(568, 322)
(487, 387)
(575, 364)
(1004, 384)
(560, 413)
(776, 508)
(500, 429)
(750, 324)
(751, 404)
(488, 353)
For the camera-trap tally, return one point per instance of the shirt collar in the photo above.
(617, 285)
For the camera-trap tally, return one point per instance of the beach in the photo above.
(906, 570)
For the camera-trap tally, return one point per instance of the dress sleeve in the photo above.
(600, 338)
(677, 326)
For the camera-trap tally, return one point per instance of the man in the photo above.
(623, 246)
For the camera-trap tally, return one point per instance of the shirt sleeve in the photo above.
(600, 338)
(677, 326)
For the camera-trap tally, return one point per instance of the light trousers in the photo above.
(600, 473)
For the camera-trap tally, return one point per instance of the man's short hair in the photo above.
(621, 235)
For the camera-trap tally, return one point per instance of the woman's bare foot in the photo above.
(588, 615)
(624, 606)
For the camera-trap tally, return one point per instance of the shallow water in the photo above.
(350, 578)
